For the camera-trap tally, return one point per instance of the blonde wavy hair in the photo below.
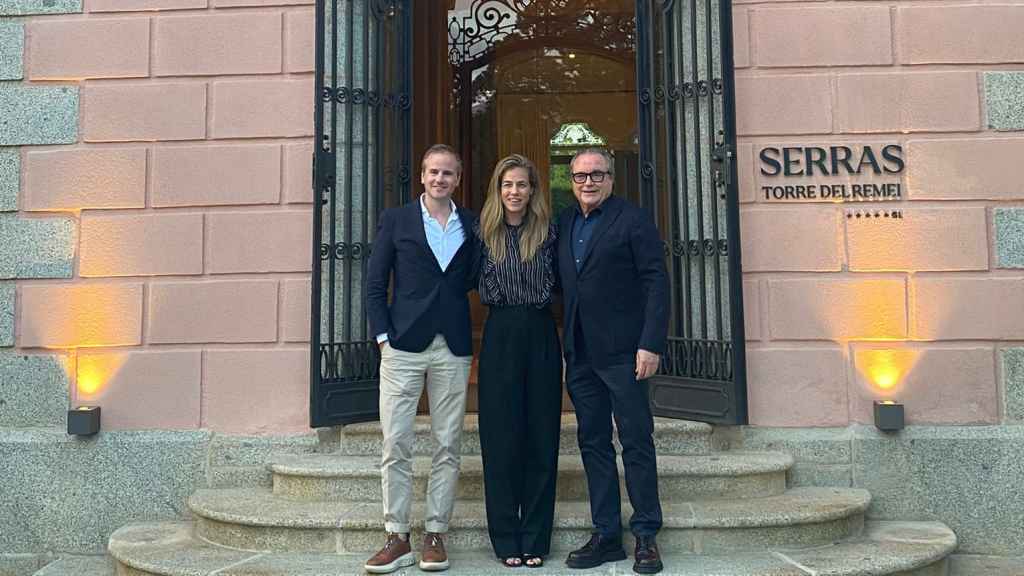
(535, 222)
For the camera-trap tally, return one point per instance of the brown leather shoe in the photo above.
(396, 553)
(433, 558)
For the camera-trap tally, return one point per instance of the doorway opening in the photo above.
(651, 80)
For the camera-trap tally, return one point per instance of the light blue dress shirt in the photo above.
(443, 242)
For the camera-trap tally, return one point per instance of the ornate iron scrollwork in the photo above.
(702, 359)
(349, 361)
(477, 30)
(345, 251)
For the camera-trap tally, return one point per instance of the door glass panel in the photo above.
(526, 71)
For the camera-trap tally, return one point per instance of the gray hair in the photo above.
(609, 161)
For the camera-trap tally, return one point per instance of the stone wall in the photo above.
(832, 286)
(65, 495)
(963, 476)
(155, 227)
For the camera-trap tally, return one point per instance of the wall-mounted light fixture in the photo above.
(888, 415)
(84, 421)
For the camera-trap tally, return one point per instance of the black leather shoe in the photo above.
(648, 559)
(597, 551)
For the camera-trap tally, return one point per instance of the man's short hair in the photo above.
(609, 160)
(441, 149)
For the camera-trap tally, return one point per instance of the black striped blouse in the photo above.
(513, 282)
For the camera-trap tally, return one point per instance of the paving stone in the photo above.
(7, 291)
(1013, 382)
(1009, 232)
(21, 564)
(971, 565)
(36, 247)
(22, 7)
(12, 47)
(38, 114)
(1004, 100)
(33, 390)
(79, 566)
(10, 179)
(922, 472)
(70, 493)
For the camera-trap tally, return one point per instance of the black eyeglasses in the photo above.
(597, 176)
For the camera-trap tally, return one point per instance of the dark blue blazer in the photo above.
(425, 301)
(620, 294)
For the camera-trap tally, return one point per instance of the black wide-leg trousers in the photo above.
(598, 395)
(520, 398)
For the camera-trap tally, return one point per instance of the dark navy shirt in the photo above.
(582, 230)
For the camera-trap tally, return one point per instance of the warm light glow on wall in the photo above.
(884, 369)
(95, 371)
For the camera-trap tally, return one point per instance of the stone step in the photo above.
(357, 478)
(678, 437)
(255, 519)
(79, 566)
(884, 549)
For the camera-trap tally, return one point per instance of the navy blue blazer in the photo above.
(620, 294)
(425, 300)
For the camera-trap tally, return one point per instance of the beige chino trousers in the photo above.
(401, 383)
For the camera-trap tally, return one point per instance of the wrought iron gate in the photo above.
(686, 138)
(361, 165)
(688, 179)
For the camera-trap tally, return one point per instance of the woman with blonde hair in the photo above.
(520, 377)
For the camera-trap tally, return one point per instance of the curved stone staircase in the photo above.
(725, 513)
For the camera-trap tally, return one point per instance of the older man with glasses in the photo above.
(615, 292)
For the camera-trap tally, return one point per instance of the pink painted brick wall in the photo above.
(256, 391)
(218, 44)
(204, 311)
(169, 381)
(216, 175)
(813, 36)
(854, 74)
(101, 48)
(84, 178)
(965, 34)
(191, 190)
(141, 244)
(259, 242)
(143, 112)
(942, 385)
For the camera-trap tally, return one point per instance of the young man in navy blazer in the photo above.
(425, 249)
(615, 290)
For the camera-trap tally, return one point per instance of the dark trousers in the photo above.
(520, 397)
(598, 395)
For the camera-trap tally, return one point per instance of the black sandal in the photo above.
(531, 561)
(512, 562)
